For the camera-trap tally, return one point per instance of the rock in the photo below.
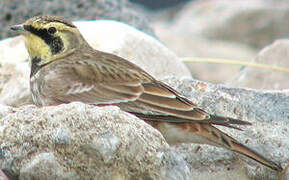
(3, 176)
(266, 110)
(88, 141)
(4, 110)
(176, 167)
(43, 166)
(239, 103)
(276, 54)
(12, 50)
(16, 12)
(106, 146)
(187, 45)
(104, 143)
(256, 23)
(133, 45)
(16, 91)
(62, 137)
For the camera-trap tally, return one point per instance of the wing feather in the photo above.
(134, 91)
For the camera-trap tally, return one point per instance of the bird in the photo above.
(65, 68)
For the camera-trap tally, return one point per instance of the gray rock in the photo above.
(268, 112)
(276, 54)
(105, 146)
(240, 103)
(16, 91)
(15, 12)
(256, 23)
(133, 45)
(62, 137)
(4, 110)
(176, 167)
(131, 148)
(186, 44)
(43, 166)
(108, 143)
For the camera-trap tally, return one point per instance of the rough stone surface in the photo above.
(187, 45)
(104, 142)
(133, 45)
(176, 167)
(276, 54)
(233, 30)
(256, 23)
(43, 166)
(15, 12)
(239, 103)
(16, 91)
(268, 112)
(4, 110)
(137, 149)
(12, 50)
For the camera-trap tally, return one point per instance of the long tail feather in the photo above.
(228, 142)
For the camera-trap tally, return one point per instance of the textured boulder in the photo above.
(77, 140)
(16, 91)
(80, 141)
(268, 112)
(15, 12)
(276, 54)
(256, 23)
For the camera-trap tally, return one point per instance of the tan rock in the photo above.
(104, 143)
(276, 54)
(16, 91)
(133, 45)
(255, 23)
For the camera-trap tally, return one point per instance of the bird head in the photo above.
(48, 38)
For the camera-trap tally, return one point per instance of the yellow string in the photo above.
(226, 61)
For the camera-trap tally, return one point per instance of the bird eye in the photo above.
(51, 30)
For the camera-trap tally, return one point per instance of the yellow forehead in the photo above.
(46, 25)
(45, 21)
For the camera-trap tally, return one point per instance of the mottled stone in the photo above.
(266, 110)
(105, 146)
(105, 143)
(255, 23)
(43, 166)
(4, 110)
(176, 167)
(16, 91)
(62, 137)
(276, 55)
(16, 12)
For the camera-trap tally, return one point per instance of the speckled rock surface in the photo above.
(15, 12)
(255, 23)
(16, 91)
(240, 103)
(276, 54)
(268, 112)
(103, 143)
(77, 140)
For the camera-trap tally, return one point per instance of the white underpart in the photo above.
(174, 135)
(79, 88)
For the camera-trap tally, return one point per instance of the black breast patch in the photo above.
(55, 43)
(34, 66)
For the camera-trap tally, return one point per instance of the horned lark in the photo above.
(64, 68)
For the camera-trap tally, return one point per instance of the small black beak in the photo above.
(18, 27)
